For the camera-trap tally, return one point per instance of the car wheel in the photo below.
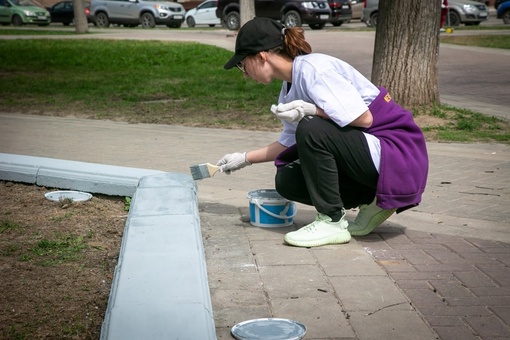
(337, 23)
(66, 23)
(292, 19)
(454, 18)
(233, 21)
(102, 20)
(506, 17)
(317, 26)
(190, 22)
(373, 19)
(212, 25)
(147, 20)
(17, 21)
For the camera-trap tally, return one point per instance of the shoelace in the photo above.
(312, 226)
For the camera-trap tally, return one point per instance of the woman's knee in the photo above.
(290, 184)
(281, 184)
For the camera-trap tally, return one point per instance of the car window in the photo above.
(209, 4)
(23, 3)
(3, 3)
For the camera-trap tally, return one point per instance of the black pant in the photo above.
(334, 169)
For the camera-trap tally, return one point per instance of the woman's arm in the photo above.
(363, 121)
(265, 154)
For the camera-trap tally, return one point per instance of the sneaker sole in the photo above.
(336, 239)
(376, 221)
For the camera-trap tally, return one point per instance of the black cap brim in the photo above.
(236, 59)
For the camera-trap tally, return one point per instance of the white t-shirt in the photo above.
(336, 87)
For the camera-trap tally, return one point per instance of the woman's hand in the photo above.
(294, 111)
(232, 162)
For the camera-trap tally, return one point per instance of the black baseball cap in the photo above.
(257, 35)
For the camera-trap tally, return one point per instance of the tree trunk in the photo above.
(406, 51)
(247, 9)
(80, 19)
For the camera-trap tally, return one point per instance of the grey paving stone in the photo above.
(369, 293)
(390, 324)
(488, 327)
(455, 333)
(293, 281)
(324, 320)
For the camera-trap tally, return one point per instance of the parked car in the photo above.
(23, 12)
(147, 13)
(459, 12)
(466, 12)
(504, 12)
(357, 8)
(203, 14)
(370, 13)
(499, 2)
(63, 12)
(341, 11)
(290, 12)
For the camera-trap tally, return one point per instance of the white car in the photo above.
(203, 14)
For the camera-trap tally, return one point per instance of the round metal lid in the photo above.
(76, 196)
(269, 329)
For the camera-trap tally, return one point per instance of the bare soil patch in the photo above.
(56, 262)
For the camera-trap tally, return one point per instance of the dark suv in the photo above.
(341, 11)
(290, 12)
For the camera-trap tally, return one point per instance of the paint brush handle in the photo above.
(213, 169)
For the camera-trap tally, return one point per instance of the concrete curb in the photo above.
(62, 174)
(160, 287)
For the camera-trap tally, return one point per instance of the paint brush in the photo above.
(202, 171)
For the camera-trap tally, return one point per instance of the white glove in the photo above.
(294, 111)
(232, 162)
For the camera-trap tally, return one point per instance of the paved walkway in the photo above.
(438, 271)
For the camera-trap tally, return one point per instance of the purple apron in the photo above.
(404, 160)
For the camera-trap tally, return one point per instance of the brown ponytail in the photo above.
(295, 43)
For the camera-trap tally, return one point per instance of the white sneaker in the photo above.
(320, 232)
(369, 217)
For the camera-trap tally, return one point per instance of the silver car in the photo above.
(147, 13)
(460, 12)
(466, 12)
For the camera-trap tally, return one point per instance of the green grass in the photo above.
(136, 81)
(7, 225)
(62, 248)
(461, 125)
(482, 40)
(127, 203)
(52, 31)
(163, 83)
